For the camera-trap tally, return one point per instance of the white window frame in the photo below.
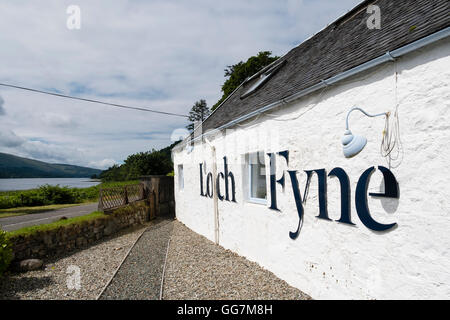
(249, 168)
(264, 76)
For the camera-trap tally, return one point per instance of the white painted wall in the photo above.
(329, 259)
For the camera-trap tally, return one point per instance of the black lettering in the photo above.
(233, 187)
(345, 194)
(273, 180)
(298, 203)
(219, 195)
(209, 182)
(361, 203)
(322, 181)
(201, 180)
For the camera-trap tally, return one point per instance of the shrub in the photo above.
(5, 252)
(57, 195)
(48, 195)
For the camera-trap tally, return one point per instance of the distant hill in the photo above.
(18, 167)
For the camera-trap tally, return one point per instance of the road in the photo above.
(26, 220)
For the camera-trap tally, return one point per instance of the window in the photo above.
(180, 177)
(264, 76)
(257, 177)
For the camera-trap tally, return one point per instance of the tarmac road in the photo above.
(26, 220)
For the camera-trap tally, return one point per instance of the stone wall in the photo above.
(67, 238)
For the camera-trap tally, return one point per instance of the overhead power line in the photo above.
(93, 101)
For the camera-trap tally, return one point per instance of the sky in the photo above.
(161, 54)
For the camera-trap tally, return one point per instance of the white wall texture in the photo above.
(330, 260)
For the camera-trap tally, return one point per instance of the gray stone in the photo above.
(81, 241)
(110, 229)
(30, 264)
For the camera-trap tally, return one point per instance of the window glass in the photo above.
(257, 171)
(263, 78)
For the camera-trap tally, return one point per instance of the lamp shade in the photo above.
(352, 144)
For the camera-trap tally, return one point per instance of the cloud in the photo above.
(37, 149)
(9, 139)
(58, 120)
(157, 54)
(102, 164)
(49, 152)
(2, 109)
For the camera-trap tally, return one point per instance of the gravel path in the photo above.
(196, 268)
(97, 265)
(139, 277)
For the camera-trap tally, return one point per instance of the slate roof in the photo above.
(344, 44)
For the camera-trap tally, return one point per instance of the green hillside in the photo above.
(18, 167)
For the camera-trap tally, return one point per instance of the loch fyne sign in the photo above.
(390, 186)
(229, 178)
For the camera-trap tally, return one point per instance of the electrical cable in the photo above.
(391, 140)
(247, 125)
(301, 114)
(92, 100)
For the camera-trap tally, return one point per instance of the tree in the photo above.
(199, 112)
(153, 162)
(240, 71)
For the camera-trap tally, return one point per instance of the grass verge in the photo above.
(12, 212)
(54, 225)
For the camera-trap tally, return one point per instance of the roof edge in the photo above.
(388, 56)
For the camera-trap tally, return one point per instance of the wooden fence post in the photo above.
(159, 190)
(152, 198)
(125, 197)
(157, 197)
(171, 197)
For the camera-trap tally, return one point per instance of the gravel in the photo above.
(97, 265)
(139, 277)
(197, 268)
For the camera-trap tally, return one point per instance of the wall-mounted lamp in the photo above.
(353, 144)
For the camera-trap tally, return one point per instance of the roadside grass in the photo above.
(13, 212)
(116, 184)
(54, 225)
